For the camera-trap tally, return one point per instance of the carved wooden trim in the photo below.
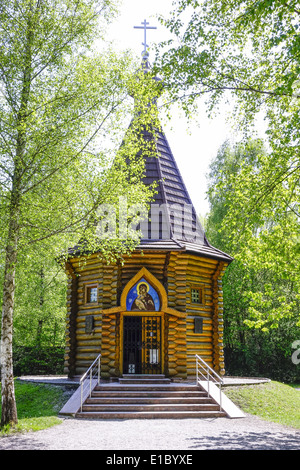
(152, 280)
(217, 318)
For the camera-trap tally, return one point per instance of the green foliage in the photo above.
(248, 53)
(253, 353)
(63, 109)
(250, 49)
(38, 360)
(40, 302)
(258, 332)
(265, 239)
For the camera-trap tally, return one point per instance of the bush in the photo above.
(36, 360)
(253, 362)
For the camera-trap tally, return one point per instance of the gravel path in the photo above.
(250, 433)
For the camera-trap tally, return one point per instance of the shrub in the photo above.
(37, 360)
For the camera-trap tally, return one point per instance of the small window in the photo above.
(196, 296)
(91, 294)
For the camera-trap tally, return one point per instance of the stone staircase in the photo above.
(152, 396)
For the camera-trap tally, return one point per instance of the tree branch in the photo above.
(74, 157)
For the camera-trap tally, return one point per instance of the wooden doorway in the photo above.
(142, 352)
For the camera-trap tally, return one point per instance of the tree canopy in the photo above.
(63, 109)
(249, 48)
(248, 53)
(261, 306)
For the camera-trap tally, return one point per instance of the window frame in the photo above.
(87, 291)
(200, 289)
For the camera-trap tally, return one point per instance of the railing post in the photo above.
(208, 382)
(99, 366)
(88, 375)
(207, 372)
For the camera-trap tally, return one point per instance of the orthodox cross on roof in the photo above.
(145, 27)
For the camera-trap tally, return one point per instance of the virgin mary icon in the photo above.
(144, 300)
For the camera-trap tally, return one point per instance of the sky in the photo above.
(193, 146)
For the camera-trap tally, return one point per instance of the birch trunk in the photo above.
(9, 409)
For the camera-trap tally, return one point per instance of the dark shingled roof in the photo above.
(177, 227)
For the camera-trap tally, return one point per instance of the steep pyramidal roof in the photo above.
(172, 223)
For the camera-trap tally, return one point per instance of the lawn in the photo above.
(273, 401)
(38, 406)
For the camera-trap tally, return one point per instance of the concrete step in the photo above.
(147, 394)
(150, 415)
(147, 400)
(146, 387)
(149, 407)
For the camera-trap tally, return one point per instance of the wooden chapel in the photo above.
(152, 313)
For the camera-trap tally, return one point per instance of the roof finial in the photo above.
(145, 27)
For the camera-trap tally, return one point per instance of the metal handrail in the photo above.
(209, 374)
(90, 374)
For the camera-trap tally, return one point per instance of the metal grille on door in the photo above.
(142, 345)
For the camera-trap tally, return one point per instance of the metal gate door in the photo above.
(142, 345)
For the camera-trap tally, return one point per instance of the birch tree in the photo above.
(60, 102)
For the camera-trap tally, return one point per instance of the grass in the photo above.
(37, 405)
(273, 401)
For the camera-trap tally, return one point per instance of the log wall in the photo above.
(91, 271)
(178, 272)
(205, 274)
